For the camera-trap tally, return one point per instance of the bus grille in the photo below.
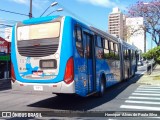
(38, 51)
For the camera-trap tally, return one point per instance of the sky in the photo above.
(92, 12)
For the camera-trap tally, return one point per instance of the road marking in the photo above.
(140, 107)
(147, 91)
(112, 119)
(145, 94)
(144, 86)
(148, 88)
(143, 102)
(146, 98)
(143, 98)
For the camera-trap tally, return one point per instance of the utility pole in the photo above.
(30, 12)
(145, 40)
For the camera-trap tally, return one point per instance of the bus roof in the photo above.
(105, 34)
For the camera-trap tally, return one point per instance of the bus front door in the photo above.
(89, 62)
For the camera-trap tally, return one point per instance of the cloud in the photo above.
(21, 1)
(105, 3)
(39, 4)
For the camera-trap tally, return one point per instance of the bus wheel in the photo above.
(102, 88)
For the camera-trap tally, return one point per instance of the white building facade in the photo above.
(135, 32)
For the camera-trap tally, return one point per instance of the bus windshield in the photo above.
(38, 31)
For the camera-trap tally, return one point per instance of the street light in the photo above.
(53, 4)
(58, 10)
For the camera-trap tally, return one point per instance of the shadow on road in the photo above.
(83, 104)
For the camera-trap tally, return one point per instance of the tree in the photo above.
(153, 54)
(150, 11)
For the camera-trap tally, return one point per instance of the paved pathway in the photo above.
(153, 79)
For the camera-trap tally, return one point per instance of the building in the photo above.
(128, 29)
(135, 32)
(116, 23)
(4, 59)
(8, 34)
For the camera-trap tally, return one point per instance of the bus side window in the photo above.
(79, 41)
(129, 54)
(106, 46)
(112, 53)
(99, 47)
(116, 51)
(106, 49)
(132, 57)
(99, 42)
(87, 38)
(124, 53)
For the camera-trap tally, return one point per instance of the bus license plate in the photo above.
(38, 88)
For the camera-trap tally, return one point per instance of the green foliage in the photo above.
(153, 54)
(111, 55)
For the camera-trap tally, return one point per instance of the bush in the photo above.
(153, 54)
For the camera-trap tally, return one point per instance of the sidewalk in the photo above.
(152, 79)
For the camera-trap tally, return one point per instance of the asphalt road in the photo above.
(121, 97)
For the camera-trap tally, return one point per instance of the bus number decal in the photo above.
(82, 68)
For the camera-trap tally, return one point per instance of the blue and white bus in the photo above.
(61, 55)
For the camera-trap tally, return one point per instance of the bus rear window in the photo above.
(38, 31)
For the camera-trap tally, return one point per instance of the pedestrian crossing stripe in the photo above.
(137, 91)
(140, 107)
(148, 89)
(144, 94)
(146, 86)
(143, 98)
(146, 98)
(143, 102)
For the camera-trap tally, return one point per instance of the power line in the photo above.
(75, 15)
(6, 25)
(13, 12)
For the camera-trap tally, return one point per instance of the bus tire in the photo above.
(102, 88)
